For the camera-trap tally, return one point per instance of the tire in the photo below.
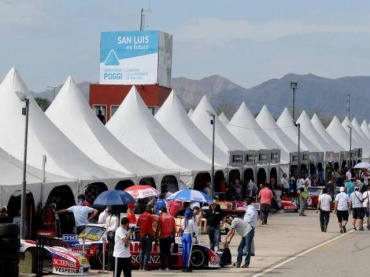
(9, 230)
(198, 258)
(9, 245)
(95, 262)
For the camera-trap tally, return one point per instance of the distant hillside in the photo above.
(324, 96)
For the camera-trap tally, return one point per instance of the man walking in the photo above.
(245, 228)
(358, 210)
(122, 249)
(341, 208)
(324, 205)
(265, 196)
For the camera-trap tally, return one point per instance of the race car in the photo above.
(64, 261)
(91, 240)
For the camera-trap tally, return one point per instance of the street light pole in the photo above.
(350, 144)
(293, 86)
(25, 111)
(213, 122)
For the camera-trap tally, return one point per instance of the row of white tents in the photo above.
(134, 144)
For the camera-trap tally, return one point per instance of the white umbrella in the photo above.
(362, 165)
(190, 195)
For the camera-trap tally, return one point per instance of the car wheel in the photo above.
(96, 261)
(198, 258)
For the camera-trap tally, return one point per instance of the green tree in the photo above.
(43, 103)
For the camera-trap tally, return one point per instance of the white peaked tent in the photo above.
(365, 129)
(174, 119)
(44, 138)
(71, 113)
(311, 133)
(223, 118)
(286, 145)
(245, 128)
(223, 138)
(135, 127)
(316, 123)
(358, 129)
(63, 158)
(339, 134)
(12, 174)
(356, 138)
(285, 122)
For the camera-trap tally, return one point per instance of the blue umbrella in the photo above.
(190, 195)
(113, 198)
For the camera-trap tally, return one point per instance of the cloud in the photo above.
(220, 31)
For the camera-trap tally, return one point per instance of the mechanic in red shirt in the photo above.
(167, 231)
(131, 213)
(173, 207)
(147, 222)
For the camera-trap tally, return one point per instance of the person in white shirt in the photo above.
(103, 216)
(324, 205)
(341, 208)
(308, 181)
(358, 210)
(245, 228)
(122, 249)
(300, 182)
(366, 204)
(284, 182)
(111, 223)
(349, 175)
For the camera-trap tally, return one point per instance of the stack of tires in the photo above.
(9, 250)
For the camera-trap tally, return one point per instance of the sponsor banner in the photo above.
(132, 57)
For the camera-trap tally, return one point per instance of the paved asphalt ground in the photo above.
(286, 236)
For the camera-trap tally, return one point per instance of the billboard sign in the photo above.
(136, 58)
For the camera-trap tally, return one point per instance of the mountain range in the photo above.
(324, 96)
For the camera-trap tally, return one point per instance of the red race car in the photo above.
(90, 243)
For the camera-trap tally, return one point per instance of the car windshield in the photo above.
(92, 233)
(314, 191)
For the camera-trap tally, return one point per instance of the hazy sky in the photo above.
(248, 42)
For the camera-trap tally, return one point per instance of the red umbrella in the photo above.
(142, 191)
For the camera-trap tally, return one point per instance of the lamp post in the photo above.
(293, 86)
(350, 144)
(213, 122)
(25, 111)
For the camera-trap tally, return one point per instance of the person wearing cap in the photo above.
(131, 213)
(324, 205)
(341, 208)
(189, 228)
(166, 232)
(245, 228)
(82, 214)
(147, 222)
(214, 217)
(358, 210)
